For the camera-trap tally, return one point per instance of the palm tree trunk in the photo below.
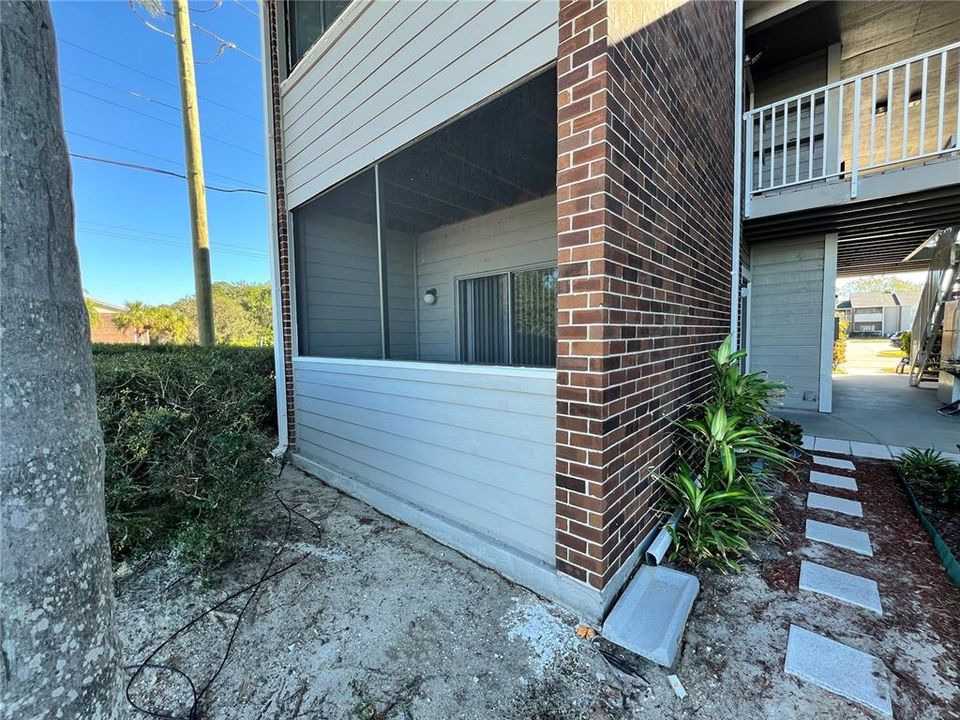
(58, 637)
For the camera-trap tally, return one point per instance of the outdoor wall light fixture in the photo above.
(430, 296)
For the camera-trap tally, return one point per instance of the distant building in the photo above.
(879, 314)
(106, 331)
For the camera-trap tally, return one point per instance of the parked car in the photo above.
(895, 339)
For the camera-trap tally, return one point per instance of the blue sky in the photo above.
(121, 102)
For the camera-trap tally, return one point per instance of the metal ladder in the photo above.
(937, 289)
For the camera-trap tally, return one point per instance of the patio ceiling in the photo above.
(500, 155)
(874, 236)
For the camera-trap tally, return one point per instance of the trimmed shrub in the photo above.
(187, 434)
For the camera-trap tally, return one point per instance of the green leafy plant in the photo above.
(719, 521)
(905, 342)
(740, 393)
(787, 434)
(840, 344)
(733, 444)
(187, 433)
(929, 467)
(728, 460)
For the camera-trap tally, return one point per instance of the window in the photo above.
(509, 318)
(307, 20)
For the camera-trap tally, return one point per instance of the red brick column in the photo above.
(282, 237)
(644, 221)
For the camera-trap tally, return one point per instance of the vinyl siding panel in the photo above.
(474, 446)
(395, 71)
(522, 236)
(787, 294)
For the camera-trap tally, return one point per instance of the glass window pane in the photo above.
(535, 317)
(307, 20)
(484, 320)
(338, 272)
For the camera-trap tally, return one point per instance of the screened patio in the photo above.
(425, 293)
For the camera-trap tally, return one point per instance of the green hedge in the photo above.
(187, 432)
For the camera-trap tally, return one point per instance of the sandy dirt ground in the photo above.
(379, 621)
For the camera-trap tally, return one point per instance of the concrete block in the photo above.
(831, 480)
(841, 447)
(842, 537)
(870, 450)
(834, 462)
(840, 669)
(853, 589)
(834, 504)
(650, 615)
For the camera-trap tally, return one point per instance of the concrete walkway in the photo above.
(882, 409)
(834, 666)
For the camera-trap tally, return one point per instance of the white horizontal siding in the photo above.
(519, 236)
(474, 446)
(394, 71)
(785, 315)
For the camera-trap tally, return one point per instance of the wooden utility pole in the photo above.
(194, 162)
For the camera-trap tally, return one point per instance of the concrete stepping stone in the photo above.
(838, 463)
(842, 537)
(844, 586)
(831, 480)
(838, 668)
(870, 450)
(840, 447)
(834, 504)
(807, 442)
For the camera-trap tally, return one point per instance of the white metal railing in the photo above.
(900, 114)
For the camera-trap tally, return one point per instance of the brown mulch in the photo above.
(914, 587)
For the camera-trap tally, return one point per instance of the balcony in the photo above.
(880, 134)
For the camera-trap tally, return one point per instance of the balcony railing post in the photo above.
(855, 144)
(748, 186)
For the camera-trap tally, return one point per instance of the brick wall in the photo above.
(270, 8)
(645, 198)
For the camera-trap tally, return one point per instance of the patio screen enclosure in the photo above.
(443, 252)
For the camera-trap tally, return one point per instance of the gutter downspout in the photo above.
(272, 240)
(737, 174)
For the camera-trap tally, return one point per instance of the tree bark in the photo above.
(58, 642)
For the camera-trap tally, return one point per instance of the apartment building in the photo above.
(879, 314)
(851, 134)
(507, 234)
(503, 249)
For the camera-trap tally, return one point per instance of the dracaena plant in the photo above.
(742, 393)
(739, 447)
(719, 520)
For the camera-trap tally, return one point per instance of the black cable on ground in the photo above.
(254, 588)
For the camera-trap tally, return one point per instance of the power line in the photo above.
(155, 157)
(138, 232)
(240, 4)
(159, 120)
(154, 78)
(147, 98)
(224, 42)
(162, 243)
(161, 171)
(161, 11)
